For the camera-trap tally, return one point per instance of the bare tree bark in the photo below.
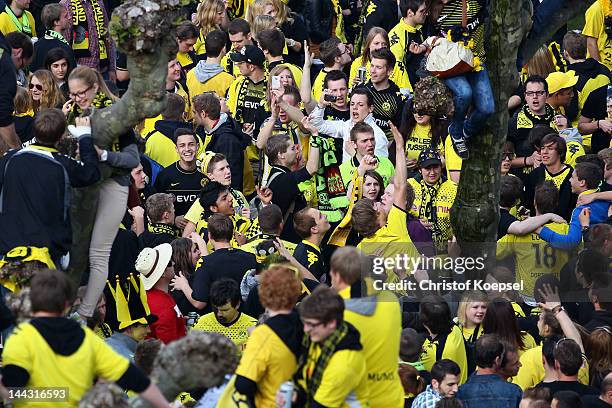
(144, 30)
(475, 213)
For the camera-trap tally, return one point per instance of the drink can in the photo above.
(361, 74)
(192, 319)
(286, 389)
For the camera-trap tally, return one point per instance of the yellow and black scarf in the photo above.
(80, 40)
(328, 348)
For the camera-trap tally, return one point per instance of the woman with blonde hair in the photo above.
(87, 91)
(286, 79)
(291, 24)
(23, 115)
(376, 39)
(470, 315)
(44, 92)
(209, 16)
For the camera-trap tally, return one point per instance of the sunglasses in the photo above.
(508, 156)
(37, 86)
(420, 112)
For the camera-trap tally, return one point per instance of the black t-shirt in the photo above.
(388, 106)
(296, 31)
(578, 388)
(182, 302)
(228, 263)
(505, 220)
(593, 401)
(157, 234)
(310, 257)
(595, 108)
(254, 308)
(285, 191)
(185, 185)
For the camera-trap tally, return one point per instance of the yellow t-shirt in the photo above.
(380, 337)
(532, 371)
(452, 161)
(237, 332)
(28, 349)
(7, 25)
(419, 140)
(267, 361)
(454, 349)
(594, 27)
(392, 238)
(218, 84)
(534, 256)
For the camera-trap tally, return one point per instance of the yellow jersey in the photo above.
(418, 140)
(534, 257)
(237, 332)
(595, 27)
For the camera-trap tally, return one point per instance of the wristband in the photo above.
(525, 161)
(557, 309)
(598, 125)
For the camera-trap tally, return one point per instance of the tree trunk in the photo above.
(475, 213)
(144, 31)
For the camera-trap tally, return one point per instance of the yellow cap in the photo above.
(561, 80)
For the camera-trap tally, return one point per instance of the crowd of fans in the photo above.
(303, 143)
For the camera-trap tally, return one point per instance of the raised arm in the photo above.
(401, 173)
(552, 303)
(305, 85)
(313, 154)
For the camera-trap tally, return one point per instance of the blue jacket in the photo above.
(599, 214)
(489, 391)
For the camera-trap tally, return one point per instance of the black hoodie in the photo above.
(8, 84)
(228, 139)
(167, 128)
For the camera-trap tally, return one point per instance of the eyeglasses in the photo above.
(535, 93)
(170, 264)
(509, 156)
(37, 86)
(81, 94)
(312, 325)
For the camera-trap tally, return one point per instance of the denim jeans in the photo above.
(471, 88)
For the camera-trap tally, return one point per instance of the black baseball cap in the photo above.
(250, 54)
(428, 157)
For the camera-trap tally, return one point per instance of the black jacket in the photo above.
(8, 84)
(318, 16)
(228, 139)
(35, 191)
